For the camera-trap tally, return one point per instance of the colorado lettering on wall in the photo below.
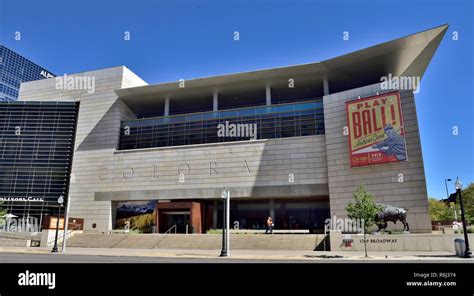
(376, 132)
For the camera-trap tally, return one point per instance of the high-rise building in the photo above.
(15, 69)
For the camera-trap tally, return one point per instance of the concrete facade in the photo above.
(101, 174)
(319, 165)
(400, 184)
(96, 136)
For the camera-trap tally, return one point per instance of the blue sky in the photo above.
(173, 40)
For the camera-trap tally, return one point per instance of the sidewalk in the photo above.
(246, 254)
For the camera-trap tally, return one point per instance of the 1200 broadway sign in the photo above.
(376, 133)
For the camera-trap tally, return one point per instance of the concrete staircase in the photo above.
(200, 241)
(5, 242)
(19, 239)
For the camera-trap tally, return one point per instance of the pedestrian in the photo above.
(269, 225)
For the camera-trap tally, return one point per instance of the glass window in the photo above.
(285, 120)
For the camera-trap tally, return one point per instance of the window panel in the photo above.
(279, 121)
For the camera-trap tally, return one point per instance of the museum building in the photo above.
(293, 143)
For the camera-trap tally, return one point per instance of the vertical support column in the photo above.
(113, 208)
(268, 95)
(167, 107)
(157, 218)
(272, 209)
(214, 215)
(195, 217)
(326, 86)
(215, 101)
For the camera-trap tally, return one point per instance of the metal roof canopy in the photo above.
(407, 56)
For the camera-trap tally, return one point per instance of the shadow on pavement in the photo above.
(437, 256)
(324, 256)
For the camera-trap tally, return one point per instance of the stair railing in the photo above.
(71, 230)
(130, 232)
(165, 235)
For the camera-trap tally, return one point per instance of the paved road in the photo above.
(65, 258)
(74, 258)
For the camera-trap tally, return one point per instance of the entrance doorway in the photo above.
(183, 214)
(178, 218)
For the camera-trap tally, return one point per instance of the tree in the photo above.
(364, 208)
(468, 201)
(440, 211)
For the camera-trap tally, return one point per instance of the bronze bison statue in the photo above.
(391, 214)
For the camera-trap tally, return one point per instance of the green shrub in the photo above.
(470, 229)
(214, 231)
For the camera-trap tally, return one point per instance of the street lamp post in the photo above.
(447, 196)
(60, 202)
(225, 223)
(446, 184)
(467, 252)
(66, 222)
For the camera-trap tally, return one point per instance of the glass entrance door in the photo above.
(180, 219)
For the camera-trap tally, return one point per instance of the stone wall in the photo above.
(382, 181)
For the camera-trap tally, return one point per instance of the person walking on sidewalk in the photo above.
(269, 225)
